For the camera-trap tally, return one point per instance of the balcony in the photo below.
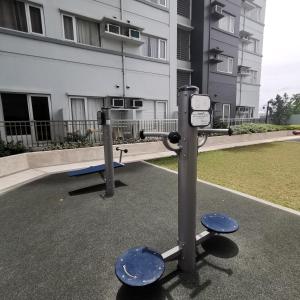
(121, 30)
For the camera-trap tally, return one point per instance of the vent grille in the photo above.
(183, 78)
(183, 45)
(184, 8)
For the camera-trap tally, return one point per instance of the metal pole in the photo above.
(108, 152)
(187, 178)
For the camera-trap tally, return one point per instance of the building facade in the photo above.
(226, 54)
(60, 59)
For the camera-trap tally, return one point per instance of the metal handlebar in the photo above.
(173, 137)
(167, 138)
(207, 131)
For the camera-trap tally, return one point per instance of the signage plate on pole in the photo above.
(200, 102)
(200, 118)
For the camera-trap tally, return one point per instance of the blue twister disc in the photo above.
(219, 223)
(139, 267)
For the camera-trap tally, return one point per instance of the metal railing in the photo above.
(36, 135)
(240, 121)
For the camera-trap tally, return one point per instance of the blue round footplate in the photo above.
(219, 223)
(139, 267)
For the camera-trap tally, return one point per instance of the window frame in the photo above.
(74, 22)
(28, 17)
(27, 6)
(231, 24)
(229, 62)
(85, 101)
(159, 49)
(158, 2)
(159, 40)
(74, 27)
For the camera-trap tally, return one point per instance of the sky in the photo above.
(281, 54)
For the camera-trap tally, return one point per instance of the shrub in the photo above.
(11, 148)
(261, 128)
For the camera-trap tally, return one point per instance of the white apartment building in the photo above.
(250, 58)
(60, 58)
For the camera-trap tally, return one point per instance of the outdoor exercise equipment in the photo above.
(142, 266)
(105, 170)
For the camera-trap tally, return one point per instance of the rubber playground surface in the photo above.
(59, 239)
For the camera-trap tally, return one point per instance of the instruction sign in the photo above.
(200, 102)
(200, 118)
(200, 110)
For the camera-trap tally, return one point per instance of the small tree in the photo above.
(296, 104)
(281, 109)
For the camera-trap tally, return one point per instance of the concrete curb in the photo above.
(20, 169)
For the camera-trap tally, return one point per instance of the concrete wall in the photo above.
(50, 65)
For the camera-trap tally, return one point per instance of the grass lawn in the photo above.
(268, 171)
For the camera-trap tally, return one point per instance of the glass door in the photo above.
(226, 113)
(41, 117)
(16, 118)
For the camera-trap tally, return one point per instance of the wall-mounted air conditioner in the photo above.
(218, 9)
(117, 102)
(244, 71)
(137, 103)
(135, 34)
(215, 58)
(112, 28)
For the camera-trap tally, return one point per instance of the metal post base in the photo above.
(175, 252)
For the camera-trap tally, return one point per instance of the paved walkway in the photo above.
(15, 180)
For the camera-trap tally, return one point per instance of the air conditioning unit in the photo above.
(117, 102)
(112, 28)
(135, 34)
(136, 103)
(244, 71)
(218, 9)
(214, 56)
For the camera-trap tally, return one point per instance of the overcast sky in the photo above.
(281, 61)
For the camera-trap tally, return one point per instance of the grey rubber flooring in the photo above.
(59, 239)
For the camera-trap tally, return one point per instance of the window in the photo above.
(252, 78)
(83, 108)
(226, 112)
(183, 45)
(254, 14)
(21, 16)
(81, 31)
(253, 46)
(154, 47)
(227, 23)
(226, 66)
(69, 27)
(184, 8)
(159, 2)
(20, 109)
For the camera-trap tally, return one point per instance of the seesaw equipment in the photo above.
(142, 266)
(105, 170)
